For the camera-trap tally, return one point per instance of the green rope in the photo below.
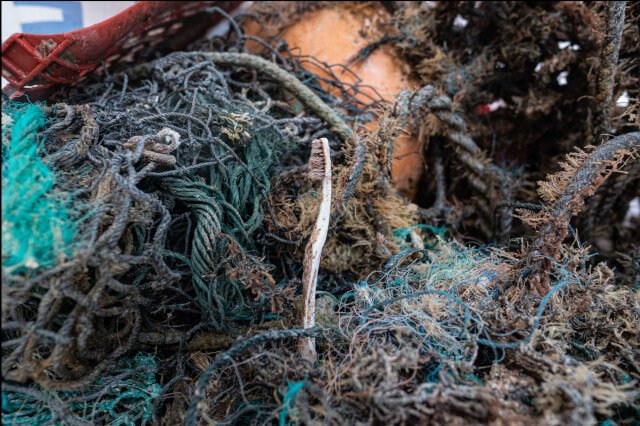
(226, 205)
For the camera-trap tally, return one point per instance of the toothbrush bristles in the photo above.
(316, 160)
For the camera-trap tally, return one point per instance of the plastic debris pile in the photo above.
(154, 225)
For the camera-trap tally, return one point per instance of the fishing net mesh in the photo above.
(153, 216)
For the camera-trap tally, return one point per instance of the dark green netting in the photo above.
(226, 205)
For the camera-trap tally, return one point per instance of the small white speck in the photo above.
(6, 120)
(460, 22)
(623, 100)
(632, 213)
(538, 67)
(476, 5)
(567, 45)
(562, 78)
(431, 4)
(500, 65)
(496, 105)
(31, 263)
(170, 136)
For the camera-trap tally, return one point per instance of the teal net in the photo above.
(124, 398)
(38, 227)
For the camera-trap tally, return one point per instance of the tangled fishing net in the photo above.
(154, 224)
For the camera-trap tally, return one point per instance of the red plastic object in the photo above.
(37, 64)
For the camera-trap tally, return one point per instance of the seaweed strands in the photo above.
(432, 338)
(582, 175)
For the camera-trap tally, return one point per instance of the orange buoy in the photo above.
(335, 35)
